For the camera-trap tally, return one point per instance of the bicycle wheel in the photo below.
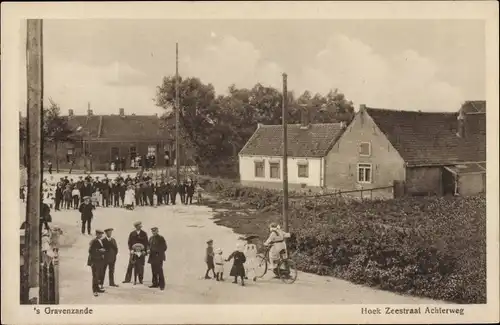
(287, 271)
(260, 266)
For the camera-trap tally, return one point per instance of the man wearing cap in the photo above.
(109, 257)
(86, 214)
(157, 250)
(136, 236)
(96, 261)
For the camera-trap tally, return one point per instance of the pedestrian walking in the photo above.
(238, 269)
(219, 265)
(50, 167)
(110, 257)
(136, 236)
(209, 259)
(96, 261)
(181, 188)
(157, 255)
(86, 214)
(189, 192)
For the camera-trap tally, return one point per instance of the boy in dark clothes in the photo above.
(238, 270)
(209, 259)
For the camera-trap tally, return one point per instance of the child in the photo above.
(199, 191)
(209, 259)
(95, 198)
(238, 270)
(250, 251)
(67, 197)
(76, 197)
(219, 265)
(138, 260)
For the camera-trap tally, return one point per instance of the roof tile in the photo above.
(315, 141)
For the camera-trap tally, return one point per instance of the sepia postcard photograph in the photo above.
(250, 162)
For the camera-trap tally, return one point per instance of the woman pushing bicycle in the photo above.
(277, 242)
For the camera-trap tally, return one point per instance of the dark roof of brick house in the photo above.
(474, 106)
(314, 141)
(127, 127)
(424, 138)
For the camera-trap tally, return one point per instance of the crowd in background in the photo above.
(129, 192)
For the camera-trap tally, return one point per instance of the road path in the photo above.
(186, 229)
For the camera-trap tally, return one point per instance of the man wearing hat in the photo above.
(86, 214)
(157, 250)
(109, 257)
(136, 236)
(96, 261)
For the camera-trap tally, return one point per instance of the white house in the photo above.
(261, 159)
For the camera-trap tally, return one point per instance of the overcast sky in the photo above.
(428, 65)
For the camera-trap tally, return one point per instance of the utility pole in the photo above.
(34, 70)
(285, 153)
(177, 108)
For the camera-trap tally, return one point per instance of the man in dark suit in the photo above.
(109, 257)
(157, 254)
(173, 191)
(122, 189)
(86, 214)
(136, 236)
(96, 261)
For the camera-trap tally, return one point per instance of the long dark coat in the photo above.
(111, 249)
(95, 256)
(238, 260)
(157, 248)
(86, 211)
(135, 238)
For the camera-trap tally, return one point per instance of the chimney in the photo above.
(122, 112)
(461, 124)
(70, 112)
(343, 125)
(259, 125)
(305, 117)
(362, 107)
(90, 112)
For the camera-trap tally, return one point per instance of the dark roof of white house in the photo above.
(314, 141)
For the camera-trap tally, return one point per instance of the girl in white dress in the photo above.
(250, 251)
(129, 200)
(219, 265)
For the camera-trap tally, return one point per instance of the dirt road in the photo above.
(186, 229)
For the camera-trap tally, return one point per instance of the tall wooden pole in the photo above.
(34, 70)
(285, 153)
(177, 108)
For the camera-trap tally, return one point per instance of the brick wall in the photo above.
(341, 163)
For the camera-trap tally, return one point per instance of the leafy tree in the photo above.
(55, 128)
(219, 126)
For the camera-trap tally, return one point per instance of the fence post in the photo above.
(371, 194)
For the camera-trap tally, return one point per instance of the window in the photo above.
(133, 153)
(259, 169)
(69, 154)
(274, 170)
(365, 149)
(152, 150)
(303, 170)
(364, 173)
(115, 153)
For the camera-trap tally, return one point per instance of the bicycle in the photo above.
(287, 270)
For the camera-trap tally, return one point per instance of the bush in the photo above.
(425, 246)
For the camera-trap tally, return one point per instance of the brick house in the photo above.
(432, 153)
(260, 160)
(98, 139)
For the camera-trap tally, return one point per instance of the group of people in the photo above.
(141, 190)
(103, 251)
(244, 257)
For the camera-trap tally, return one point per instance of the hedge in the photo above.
(425, 246)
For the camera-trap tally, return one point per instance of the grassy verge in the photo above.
(425, 246)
